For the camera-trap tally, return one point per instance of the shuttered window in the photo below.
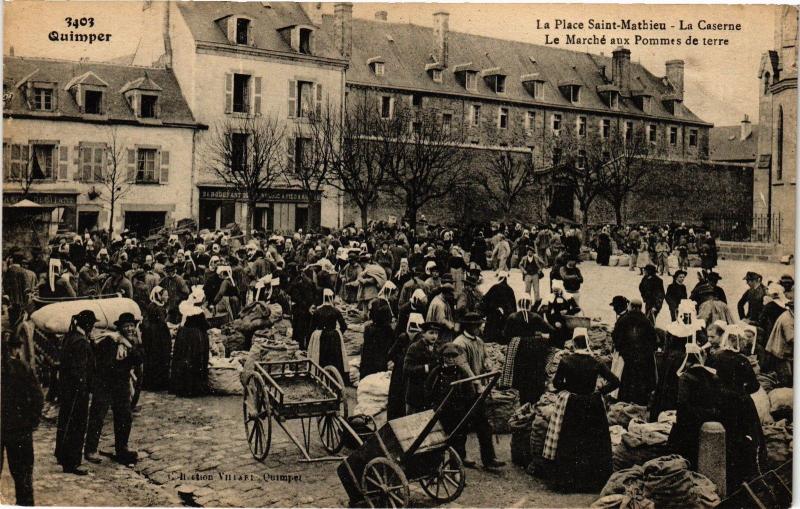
(92, 162)
(146, 166)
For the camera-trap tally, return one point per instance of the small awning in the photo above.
(25, 204)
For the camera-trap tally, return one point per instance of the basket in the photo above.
(573, 322)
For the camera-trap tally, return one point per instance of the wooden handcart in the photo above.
(414, 448)
(295, 389)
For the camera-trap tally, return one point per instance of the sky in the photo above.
(721, 84)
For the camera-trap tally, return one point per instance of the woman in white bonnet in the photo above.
(190, 354)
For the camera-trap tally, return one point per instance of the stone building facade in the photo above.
(775, 177)
(503, 95)
(61, 122)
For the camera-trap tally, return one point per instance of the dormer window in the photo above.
(613, 101)
(305, 40)
(571, 91)
(379, 68)
(471, 81)
(643, 100)
(93, 102)
(242, 31)
(436, 75)
(534, 84)
(610, 95)
(495, 79)
(467, 75)
(499, 84)
(148, 106)
(42, 99)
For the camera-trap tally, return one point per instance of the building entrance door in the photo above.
(87, 221)
(144, 222)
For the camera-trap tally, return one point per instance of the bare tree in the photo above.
(430, 160)
(628, 156)
(580, 167)
(248, 154)
(114, 178)
(368, 146)
(507, 177)
(315, 149)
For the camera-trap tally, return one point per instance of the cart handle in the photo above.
(494, 375)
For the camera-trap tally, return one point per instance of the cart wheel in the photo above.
(448, 482)
(257, 422)
(330, 429)
(385, 484)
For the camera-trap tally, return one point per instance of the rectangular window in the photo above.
(530, 120)
(556, 122)
(556, 156)
(673, 135)
(302, 147)
(580, 161)
(239, 151)
(305, 41)
(476, 114)
(647, 103)
(500, 84)
(613, 101)
(605, 128)
(538, 87)
(652, 133)
(19, 161)
(43, 99)
(692, 137)
(416, 100)
(386, 107)
(92, 162)
(436, 75)
(574, 94)
(416, 127)
(581, 126)
(242, 27)
(241, 93)
(471, 81)
(447, 123)
(628, 131)
(379, 68)
(42, 162)
(148, 106)
(502, 118)
(93, 102)
(305, 98)
(146, 166)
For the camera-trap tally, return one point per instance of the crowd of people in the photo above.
(427, 322)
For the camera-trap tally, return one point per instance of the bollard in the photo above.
(711, 458)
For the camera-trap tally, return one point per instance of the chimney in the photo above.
(746, 128)
(11, 51)
(441, 27)
(675, 76)
(621, 68)
(381, 15)
(314, 12)
(343, 28)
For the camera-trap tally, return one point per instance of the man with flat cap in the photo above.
(76, 370)
(752, 299)
(421, 358)
(115, 357)
(620, 305)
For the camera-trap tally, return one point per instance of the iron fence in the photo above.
(752, 228)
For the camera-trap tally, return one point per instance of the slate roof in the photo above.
(201, 19)
(724, 144)
(174, 110)
(407, 48)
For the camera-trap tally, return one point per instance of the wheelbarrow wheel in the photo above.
(384, 484)
(329, 426)
(257, 421)
(448, 482)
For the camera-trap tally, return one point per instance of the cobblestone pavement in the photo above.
(198, 445)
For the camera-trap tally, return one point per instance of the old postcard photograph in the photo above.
(333, 254)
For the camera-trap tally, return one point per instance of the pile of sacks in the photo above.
(664, 482)
(500, 407)
(224, 375)
(354, 370)
(225, 340)
(373, 394)
(642, 441)
(601, 342)
(269, 346)
(781, 403)
(495, 356)
(622, 413)
(768, 381)
(256, 316)
(521, 424)
(543, 411)
(778, 437)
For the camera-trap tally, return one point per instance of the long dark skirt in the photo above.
(666, 393)
(190, 363)
(330, 352)
(157, 344)
(583, 456)
(637, 382)
(603, 253)
(73, 417)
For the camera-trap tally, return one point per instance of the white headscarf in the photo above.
(155, 293)
(190, 307)
(582, 331)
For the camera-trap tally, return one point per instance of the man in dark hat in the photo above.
(753, 298)
(469, 299)
(117, 282)
(620, 305)
(473, 360)
(76, 370)
(711, 279)
(651, 288)
(787, 282)
(177, 290)
(676, 292)
(22, 401)
(421, 359)
(115, 357)
(417, 281)
(442, 309)
(710, 308)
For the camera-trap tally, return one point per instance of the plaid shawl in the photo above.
(507, 378)
(554, 428)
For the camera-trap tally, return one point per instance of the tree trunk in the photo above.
(310, 205)
(364, 209)
(618, 211)
(584, 216)
(111, 217)
(248, 220)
